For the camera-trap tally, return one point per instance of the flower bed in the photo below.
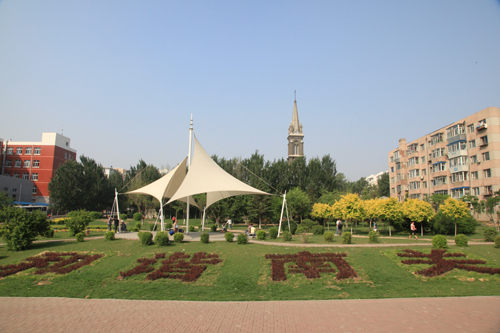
(440, 265)
(65, 262)
(175, 266)
(310, 264)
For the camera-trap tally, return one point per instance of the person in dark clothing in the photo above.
(117, 222)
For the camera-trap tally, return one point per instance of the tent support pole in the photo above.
(281, 217)
(162, 217)
(118, 211)
(189, 165)
(203, 222)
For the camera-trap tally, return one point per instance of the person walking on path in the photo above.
(230, 223)
(413, 230)
(110, 221)
(375, 226)
(117, 222)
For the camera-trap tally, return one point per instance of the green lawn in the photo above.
(244, 274)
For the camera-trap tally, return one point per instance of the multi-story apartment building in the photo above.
(458, 159)
(36, 161)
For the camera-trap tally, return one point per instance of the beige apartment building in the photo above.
(458, 159)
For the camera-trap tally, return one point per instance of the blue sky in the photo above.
(123, 77)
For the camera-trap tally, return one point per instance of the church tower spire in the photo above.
(295, 136)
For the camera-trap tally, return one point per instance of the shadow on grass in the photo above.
(44, 245)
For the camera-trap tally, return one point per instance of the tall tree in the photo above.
(137, 177)
(80, 185)
(455, 210)
(384, 185)
(298, 203)
(418, 211)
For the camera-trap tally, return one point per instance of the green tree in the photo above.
(384, 185)
(330, 197)
(437, 200)
(77, 221)
(298, 203)
(140, 176)
(20, 228)
(80, 185)
(5, 201)
(391, 211)
(455, 210)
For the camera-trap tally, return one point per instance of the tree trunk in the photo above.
(351, 228)
(390, 233)
(455, 227)
(422, 229)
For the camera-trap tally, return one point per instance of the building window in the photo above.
(34, 190)
(473, 159)
(10, 150)
(414, 173)
(392, 169)
(27, 163)
(69, 155)
(424, 184)
(26, 176)
(460, 192)
(34, 177)
(393, 190)
(486, 156)
(19, 150)
(14, 196)
(481, 125)
(461, 145)
(424, 172)
(455, 130)
(412, 148)
(423, 159)
(38, 150)
(470, 128)
(487, 173)
(475, 191)
(6, 189)
(472, 144)
(458, 177)
(422, 147)
(27, 151)
(484, 140)
(414, 185)
(436, 138)
(17, 175)
(36, 163)
(8, 163)
(439, 167)
(392, 180)
(488, 190)
(474, 175)
(17, 164)
(65, 155)
(461, 160)
(441, 180)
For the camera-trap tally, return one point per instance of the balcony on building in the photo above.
(481, 126)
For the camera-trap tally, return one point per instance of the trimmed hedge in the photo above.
(229, 236)
(489, 234)
(373, 237)
(205, 237)
(213, 228)
(242, 239)
(123, 216)
(261, 235)
(109, 236)
(346, 237)
(273, 233)
(146, 237)
(439, 242)
(497, 241)
(287, 236)
(191, 228)
(79, 237)
(137, 216)
(161, 238)
(328, 236)
(461, 240)
(95, 215)
(318, 230)
(178, 237)
(138, 225)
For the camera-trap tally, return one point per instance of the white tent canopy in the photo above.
(205, 176)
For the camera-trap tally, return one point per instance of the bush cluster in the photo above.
(152, 226)
(123, 217)
(137, 216)
(138, 225)
(497, 241)
(49, 233)
(273, 233)
(461, 240)
(439, 242)
(78, 221)
(79, 237)
(318, 230)
(95, 215)
(146, 237)
(242, 239)
(328, 236)
(261, 235)
(300, 230)
(489, 234)
(168, 225)
(134, 229)
(178, 237)
(191, 228)
(373, 237)
(229, 236)
(346, 237)
(287, 236)
(213, 228)
(161, 238)
(109, 236)
(443, 225)
(205, 237)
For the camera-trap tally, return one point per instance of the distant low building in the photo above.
(111, 170)
(373, 179)
(35, 162)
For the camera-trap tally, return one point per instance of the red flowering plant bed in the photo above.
(310, 264)
(51, 262)
(176, 266)
(441, 265)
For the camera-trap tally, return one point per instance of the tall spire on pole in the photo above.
(189, 165)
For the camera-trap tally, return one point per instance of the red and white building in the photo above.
(36, 161)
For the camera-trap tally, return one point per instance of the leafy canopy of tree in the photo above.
(20, 227)
(455, 210)
(80, 185)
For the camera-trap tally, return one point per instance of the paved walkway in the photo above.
(460, 314)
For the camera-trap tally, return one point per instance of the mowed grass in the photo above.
(244, 274)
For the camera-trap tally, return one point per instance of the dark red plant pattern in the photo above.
(310, 264)
(63, 263)
(440, 265)
(175, 266)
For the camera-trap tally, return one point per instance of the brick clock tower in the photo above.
(295, 136)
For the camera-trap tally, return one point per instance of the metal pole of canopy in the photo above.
(162, 218)
(189, 164)
(203, 223)
(118, 211)
(281, 217)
